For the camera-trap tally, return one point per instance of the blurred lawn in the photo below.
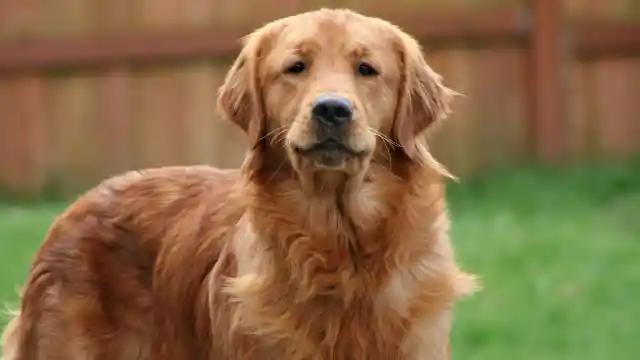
(558, 253)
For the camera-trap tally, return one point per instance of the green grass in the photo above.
(558, 253)
(22, 228)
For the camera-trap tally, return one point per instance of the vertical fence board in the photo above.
(160, 133)
(115, 123)
(547, 91)
(75, 141)
(200, 113)
(5, 128)
(8, 141)
(498, 129)
(615, 105)
(579, 110)
(23, 160)
(32, 102)
(635, 120)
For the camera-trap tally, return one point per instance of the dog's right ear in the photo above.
(239, 98)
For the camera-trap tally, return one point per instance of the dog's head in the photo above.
(330, 90)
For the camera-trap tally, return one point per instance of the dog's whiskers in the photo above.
(384, 137)
(276, 134)
(386, 142)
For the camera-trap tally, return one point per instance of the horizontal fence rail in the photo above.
(511, 25)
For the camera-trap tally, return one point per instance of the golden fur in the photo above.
(287, 258)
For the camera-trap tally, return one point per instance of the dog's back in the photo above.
(88, 295)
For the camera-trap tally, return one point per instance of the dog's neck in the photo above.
(331, 223)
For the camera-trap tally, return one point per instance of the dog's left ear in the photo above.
(423, 100)
(239, 98)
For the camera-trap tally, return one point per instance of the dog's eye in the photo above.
(365, 69)
(296, 68)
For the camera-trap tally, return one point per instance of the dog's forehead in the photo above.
(332, 29)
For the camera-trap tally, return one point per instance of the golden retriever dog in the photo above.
(330, 241)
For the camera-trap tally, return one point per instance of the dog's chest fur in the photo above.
(339, 281)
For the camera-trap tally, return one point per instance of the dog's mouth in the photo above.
(328, 153)
(329, 146)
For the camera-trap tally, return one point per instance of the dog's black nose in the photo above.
(332, 110)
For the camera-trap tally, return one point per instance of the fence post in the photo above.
(547, 85)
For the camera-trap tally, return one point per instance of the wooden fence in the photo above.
(89, 88)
